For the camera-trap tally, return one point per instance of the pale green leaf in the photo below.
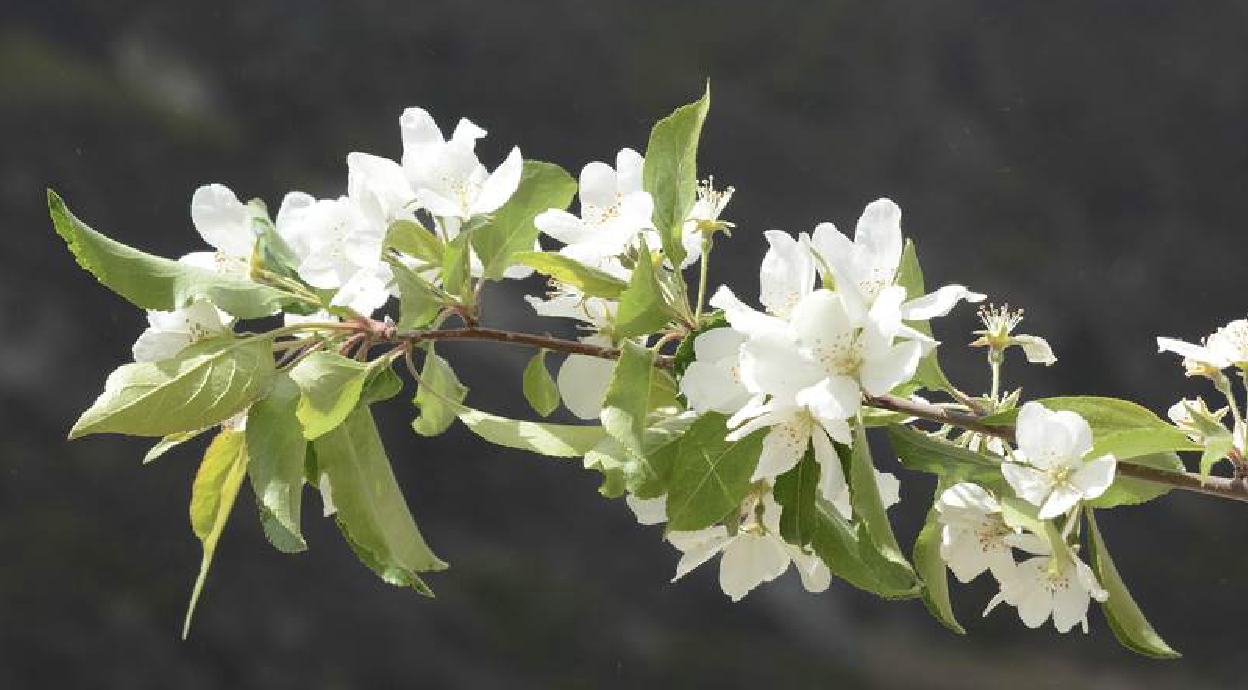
(419, 301)
(437, 396)
(330, 387)
(510, 230)
(204, 385)
(278, 450)
(590, 281)
(932, 569)
(153, 282)
(212, 498)
(372, 513)
(539, 387)
(642, 308)
(670, 173)
(1124, 616)
(555, 440)
(711, 475)
(170, 442)
(413, 239)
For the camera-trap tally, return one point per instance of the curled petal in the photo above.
(938, 303)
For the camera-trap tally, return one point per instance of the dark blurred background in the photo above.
(1086, 160)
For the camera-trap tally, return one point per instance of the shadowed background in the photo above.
(1086, 160)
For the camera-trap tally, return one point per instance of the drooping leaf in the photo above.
(170, 442)
(910, 276)
(204, 385)
(589, 280)
(330, 387)
(510, 230)
(382, 383)
(372, 513)
(809, 521)
(649, 476)
(153, 282)
(212, 498)
(555, 440)
(438, 388)
(932, 569)
(1124, 616)
(670, 173)
(886, 557)
(711, 475)
(642, 308)
(278, 450)
(415, 240)
(539, 387)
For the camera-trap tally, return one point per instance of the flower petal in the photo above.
(583, 382)
(938, 303)
(222, 220)
(1095, 476)
(881, 374)
(500, 185)
(1028, 483)
(749, 560)
(786, 275)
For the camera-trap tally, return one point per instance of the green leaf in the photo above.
(1102, 414)
(457, 262)
(278, 450)
(413, 239)
(1216, 448)
(1124, 616)
(799, 489)
(685, 354)
(642, 308)
(212, 498)
(372, 513)
(953, 463)
(809, 521)
(539, 387)
(542, 186)
(330, 386)
(591, 281)
(670, 173)
(932, 568)
(153, 282)
(204, 385)
(555, 440)
(627, 402)
(419, 302)
(382, 383)
(649, 476)
(886, 556)
(1128, 491)
(711, 475)
(438, 388)
(910, 276)
(170, 442)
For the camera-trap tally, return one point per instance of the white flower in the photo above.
(1047, 585)
(999, 324)
(1228, 346)
(864, 267)
(786, 275)
(649, 511)
(1195, 417)
(1057, 475)
(170, 332)
(1231, 343)
(583, 381)
(756, 554)
(227, 225)
(705, 212)
(614, 211)
(713, 380)
(973, 532)
(446, 176)
(338, 243)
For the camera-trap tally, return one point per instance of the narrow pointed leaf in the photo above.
(871, 514)
(212, 498)
(372, 513)
(670, 173)
(555, 440)
(153, 282)
(589, 280)
(933, 570)
(170, 442)
(416, 241)
(1125, 617)
(204, 385)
